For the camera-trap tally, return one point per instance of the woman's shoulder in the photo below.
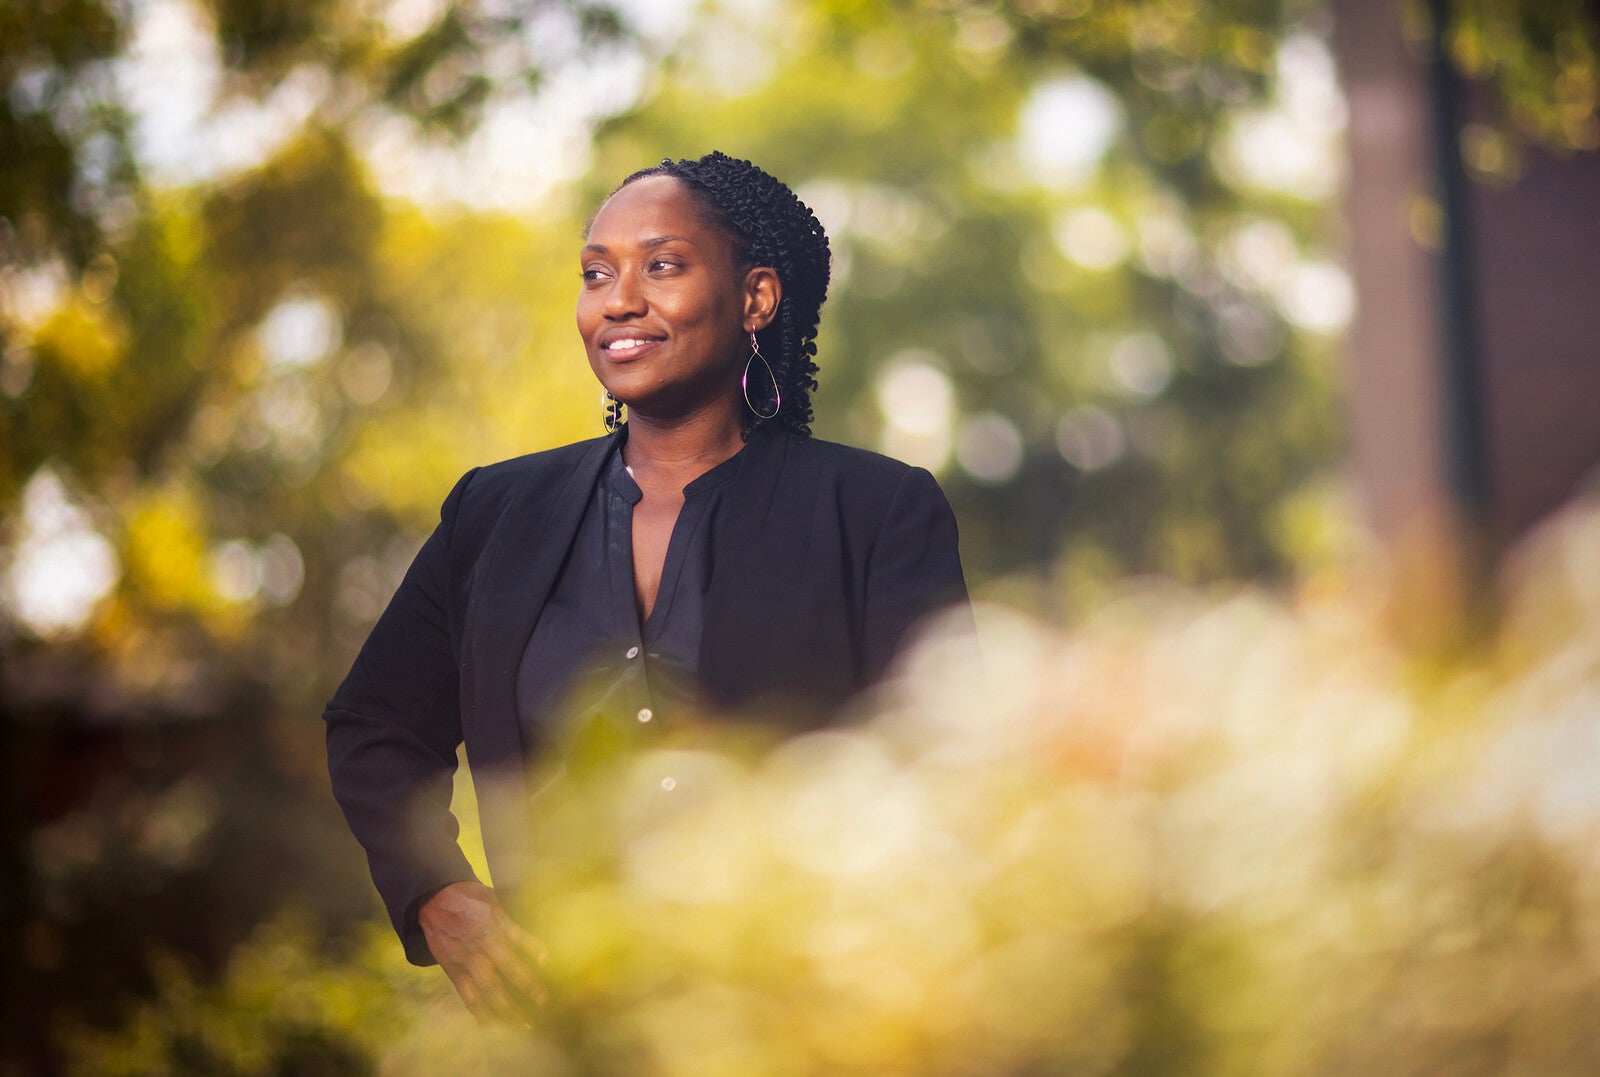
(560, 458)
(856, 467)
(547, 469)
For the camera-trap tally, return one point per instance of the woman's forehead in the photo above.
(654, 205)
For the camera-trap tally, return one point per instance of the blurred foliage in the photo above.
(440, 72)
(63, 147)
(1204, 832)
(231, 398)
(1121, 387)
(284, 1005)
(1541, 60)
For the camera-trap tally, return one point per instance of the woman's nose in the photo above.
(624, 297)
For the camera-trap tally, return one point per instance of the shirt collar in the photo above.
(619, 480)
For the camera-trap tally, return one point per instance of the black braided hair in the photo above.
(768, 226)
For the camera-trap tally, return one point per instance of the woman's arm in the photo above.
(913, 569)
(393, 727)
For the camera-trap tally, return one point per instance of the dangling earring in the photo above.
(610, 411)
(744, 382)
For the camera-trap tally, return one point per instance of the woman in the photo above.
(707, 552)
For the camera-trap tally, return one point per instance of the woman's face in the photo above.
(665, 313)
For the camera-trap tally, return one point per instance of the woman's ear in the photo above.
(762, 293)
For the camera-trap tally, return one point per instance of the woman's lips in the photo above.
(626, 349)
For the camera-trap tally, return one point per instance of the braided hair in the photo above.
(768, 226)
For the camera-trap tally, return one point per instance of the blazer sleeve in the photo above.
(913, 569)
(393, 728)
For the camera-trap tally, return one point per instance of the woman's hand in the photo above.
(490, 960)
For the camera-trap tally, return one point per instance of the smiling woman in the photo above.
(706, 556)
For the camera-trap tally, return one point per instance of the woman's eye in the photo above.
(592, 274)
(662, 263)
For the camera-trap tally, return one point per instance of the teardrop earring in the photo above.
(744, 382)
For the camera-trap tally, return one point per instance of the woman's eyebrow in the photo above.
(653, 241)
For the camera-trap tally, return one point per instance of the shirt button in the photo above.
(669, 784)
(633, 652)
(645, 714)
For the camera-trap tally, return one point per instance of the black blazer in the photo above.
(824, 556)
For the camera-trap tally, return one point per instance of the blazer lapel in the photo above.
(517, 569)
(753, 621)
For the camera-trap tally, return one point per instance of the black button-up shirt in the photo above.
(589, 661)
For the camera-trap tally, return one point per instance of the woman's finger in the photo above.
(516, 970)
(497, 1000)
(470, 997)
(526, 942)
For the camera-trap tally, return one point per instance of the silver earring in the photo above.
(610, 411)
(744, 382)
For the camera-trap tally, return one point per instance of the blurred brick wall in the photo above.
(1536, 274)
(1533, 286)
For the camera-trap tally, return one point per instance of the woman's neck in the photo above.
(670, 454)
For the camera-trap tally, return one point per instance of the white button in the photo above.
(633, 652)
(669, 784)
(645, 714)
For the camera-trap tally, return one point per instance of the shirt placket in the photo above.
(633, 701)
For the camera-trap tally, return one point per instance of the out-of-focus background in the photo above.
(1253, 341)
